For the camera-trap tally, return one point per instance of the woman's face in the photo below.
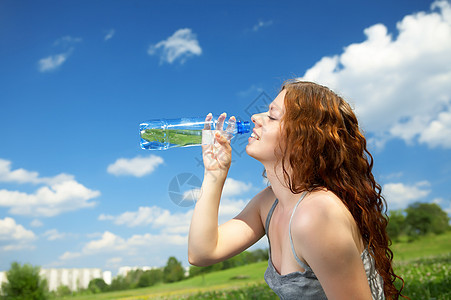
(266, 134)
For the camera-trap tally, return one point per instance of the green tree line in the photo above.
(418, 219)
(24, 281)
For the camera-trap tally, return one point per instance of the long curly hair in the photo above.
(323, 147)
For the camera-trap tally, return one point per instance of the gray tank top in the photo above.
(305, 285)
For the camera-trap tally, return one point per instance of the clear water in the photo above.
(160, 139)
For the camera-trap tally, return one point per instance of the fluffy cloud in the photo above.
(112, 243)
(400, 195)
(24, 176)
(234, 187)
(54, 234)
(53, 62)
(138, 166)
(400, 85)
(154, 216)
(179, 46)
(14, 236)
(158, 217)
(61, 193)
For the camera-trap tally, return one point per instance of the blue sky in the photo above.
(77, 78)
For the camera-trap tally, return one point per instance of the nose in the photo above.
(257, 119)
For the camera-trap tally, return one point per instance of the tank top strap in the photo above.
(268, 218)
(301, 263)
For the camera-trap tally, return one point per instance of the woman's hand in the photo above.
(218, 155)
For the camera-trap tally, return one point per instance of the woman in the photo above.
(323, 211)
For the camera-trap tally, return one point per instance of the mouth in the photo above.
(255, 136)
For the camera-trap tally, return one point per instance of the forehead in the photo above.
(278, 103)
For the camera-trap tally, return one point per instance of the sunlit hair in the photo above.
(323, 147)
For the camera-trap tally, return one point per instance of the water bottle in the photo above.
(162, 134)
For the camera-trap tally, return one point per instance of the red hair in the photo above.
(323, 147)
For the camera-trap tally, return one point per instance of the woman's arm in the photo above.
(324, 236)
(208, 243)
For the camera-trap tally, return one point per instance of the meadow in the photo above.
(425, 265)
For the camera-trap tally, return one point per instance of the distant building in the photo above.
(75, 279)
(123, 271)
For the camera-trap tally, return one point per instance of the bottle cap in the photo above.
(243, 127)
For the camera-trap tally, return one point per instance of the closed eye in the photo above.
(271, 118)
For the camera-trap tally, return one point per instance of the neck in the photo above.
(280, 189)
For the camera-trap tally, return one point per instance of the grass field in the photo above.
(424, 264)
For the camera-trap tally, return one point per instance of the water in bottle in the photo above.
(162, 134)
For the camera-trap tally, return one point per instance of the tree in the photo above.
(396, 224)
(97, 285)
(424, 218)
(150, 277)
(173, 271)
(62, 291)
(119, 283)
(24, 282)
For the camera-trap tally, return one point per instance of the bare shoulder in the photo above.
(320, 211)
(263, 201)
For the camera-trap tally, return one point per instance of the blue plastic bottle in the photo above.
(163, 134)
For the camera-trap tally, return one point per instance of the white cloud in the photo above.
(54, 234)
(261, 24)
(49, 201)
(438, 132)
(400, 85)
(112, 243)
(69, 255)
(234, 187)
(400, 195)
(36, 223)
(109, 241)
(137, 166)
(158, 217)
(155, 216)
(14, 236)
(67, 41)
(229, 208)
(61, 193)
(179, 46)
(24, 176)
(52, 62)
(109, 35)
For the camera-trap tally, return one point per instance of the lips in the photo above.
(255, 135)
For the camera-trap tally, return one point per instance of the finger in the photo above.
(208, 118)
(223, 141)
(221, 120)
(231, 125)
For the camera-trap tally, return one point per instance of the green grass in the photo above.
(227, 279)
(424, 264)
(426, 246)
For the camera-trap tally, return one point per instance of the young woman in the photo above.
(323, 212)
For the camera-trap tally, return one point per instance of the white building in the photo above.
(72, 278)
(123, 271)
